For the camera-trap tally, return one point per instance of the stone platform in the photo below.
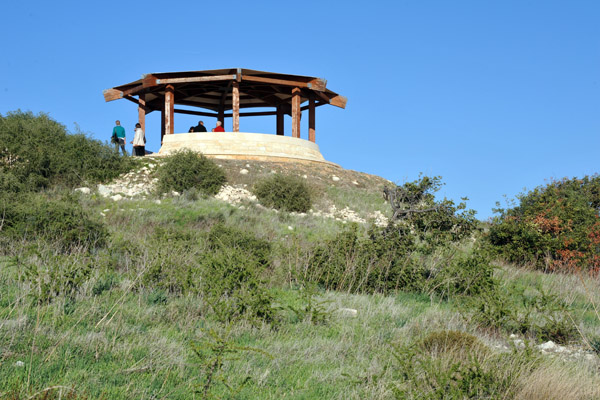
(244, 146)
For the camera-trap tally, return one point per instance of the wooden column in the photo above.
(221, 116)
(280, 120)
(162, 124)
(142, 112)
(235, 100)
(311, 118)
(296, 112)
(169, 110)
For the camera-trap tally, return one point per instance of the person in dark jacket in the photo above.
(200, 127)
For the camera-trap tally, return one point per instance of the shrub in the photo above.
(380, 262)
(232, 287)
(524, 311)
(434, 223)
(390, 259)
(173, 267)
(438, 373)
(468, 274)
(222, 237)
(554, 227)
(284, 192)
(39, 152)
(231, 276)
(51, 275)
(186, 170)
(61, 220)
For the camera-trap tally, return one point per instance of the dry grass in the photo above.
(558, 381)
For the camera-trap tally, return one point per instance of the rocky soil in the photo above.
(241, 175)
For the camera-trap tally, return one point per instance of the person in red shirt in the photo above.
(219, 127)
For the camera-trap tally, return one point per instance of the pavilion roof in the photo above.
(211, 89)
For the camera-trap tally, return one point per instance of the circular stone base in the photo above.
(244, 146)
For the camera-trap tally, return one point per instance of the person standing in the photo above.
(139, 141)
(200, 127)
(219, 127)
(119, 132)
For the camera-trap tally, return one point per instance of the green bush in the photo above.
(390, 259)
(525, 311)
(555, 227)
(433, 223)
(51, 275)
(189, 170)
(224, 237)
(380, 262)
(456, 366)
(284, 192)
(62, 220)
(38, 152)
(231, 275)
(466, 274)
(172, 267)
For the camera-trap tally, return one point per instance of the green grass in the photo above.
(129, 349)
(118, 339)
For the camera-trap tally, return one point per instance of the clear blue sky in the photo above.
(494, 96)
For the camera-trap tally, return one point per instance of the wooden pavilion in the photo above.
(224, 92)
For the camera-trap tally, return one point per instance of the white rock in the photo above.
(83, 190)
(305, 177)
(247, 165)
(174, 193)
(350, 312)
(106, 210)
(116, 197)
(335, 178)
(104, 190)
(157, 201)
(549, 345)
(513, 336)
(19, 364)
(244, 171)
(102, 214)
(355, 183)
(291, 228)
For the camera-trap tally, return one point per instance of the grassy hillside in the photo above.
(125, 293)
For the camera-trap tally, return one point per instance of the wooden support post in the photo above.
(280, 120)
(221, 116)
(162, 124)
(169, 109)
(296, 113)
(311, 118)
(235, 100)
(142, 112)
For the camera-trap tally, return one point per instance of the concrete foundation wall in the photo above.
(242, 145)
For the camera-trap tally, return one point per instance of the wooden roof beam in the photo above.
(314, 84)
(338, 101)
(151, 80)
(112, 94)
(191, 112)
